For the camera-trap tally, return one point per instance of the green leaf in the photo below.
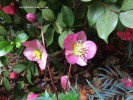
(5, 2)
(6, 84)
(34, 70)
(48, 14)
(41, 4)
(45, 27)
(20, 38)
(57, 28)
(5, 16)
(28, 6)
(6, 73)
(28, 76)
(106, 24)
(19, 68)
(49, 36)
(126, 18)
(67, 16)
(110, 1)
(3, 32)
(94, 12)
(85, 0)
(127, 5)
(5, 47)
(62, 37)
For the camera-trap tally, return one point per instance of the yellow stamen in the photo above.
(37, 54)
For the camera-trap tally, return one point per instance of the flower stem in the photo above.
(70, 67)
(55, 91)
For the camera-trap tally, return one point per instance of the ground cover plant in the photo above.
(66, 49)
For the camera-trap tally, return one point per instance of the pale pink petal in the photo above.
(71, 58)
(91, 49)
(64, 80)
(81, 36)
(29, 53)
(69, 41)
(32, 96)
(42, 61)
(81, 61)
(35, 44)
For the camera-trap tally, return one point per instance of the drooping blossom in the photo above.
(127, 82)
(78, 49)
(13, 75)
(31, 17)
(10, 9)
(65, 82)
(32, 96)
(110, 48)
(35, 52)
(127, 35)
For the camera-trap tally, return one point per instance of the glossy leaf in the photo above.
(67, 16)
(5, 16)
(58, 28)
(19, 68)
(106, 24)
(41, 4)
(28, 76)
(94, 12)
(6, 84)
(5, 47)
(127, 5)
(3, 32)
(48, 14)
(127, 18)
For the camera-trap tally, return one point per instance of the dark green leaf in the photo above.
(6, 83)
(28, 76)
(48, 14)
(67, 16)
(94, 12)
(6, 17)
(106, 24)
(6, 73)
(19, 68)
(45, 27)
(5, 47)
(127, 5)
(127, 18)
(3, 32)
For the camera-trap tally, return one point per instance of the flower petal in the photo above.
(69, 41)
(42, 61)
(71, 58)
(35, 44)
(81, 36)
(29, 53)
(91, 49)
(82, 61)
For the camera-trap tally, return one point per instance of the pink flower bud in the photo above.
(127, 82)
(13, 75)
(32, 96)
(31, 17)
(64, 82)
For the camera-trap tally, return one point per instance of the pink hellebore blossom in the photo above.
(128, 35)
(64, 82)
(32, 96)
(31, 17)
(13, 75)
(127, 82)
(78, 50)
(35, 52)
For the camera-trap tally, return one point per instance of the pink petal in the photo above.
(69, 41)
(13, 75)
(81, 36)
(35, 44)
(91, 49)
(31, 17)
(32, 96)
(42, 61)
(81, 61)
(29, 53)
(64, 80)
(71, 58)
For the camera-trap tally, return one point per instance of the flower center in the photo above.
(37, 54)
(78, 49)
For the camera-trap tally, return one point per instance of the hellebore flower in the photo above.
(78, 50)
(64, 82)
(127, 82)
(32, 96)
(31, 17)
(10, 9)
(128, 35)
(35, 52)
(13, 75)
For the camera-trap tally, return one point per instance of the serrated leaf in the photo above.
(48, 14)
(5, 47)
(62, 37)
(29, 6)
(28, 76)
(126, 18)
(106, 24)
(127, 5)
(19, 68)
(94, 12)
(67, 16)
(6, 84)
(3, 32)
(6, 17)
